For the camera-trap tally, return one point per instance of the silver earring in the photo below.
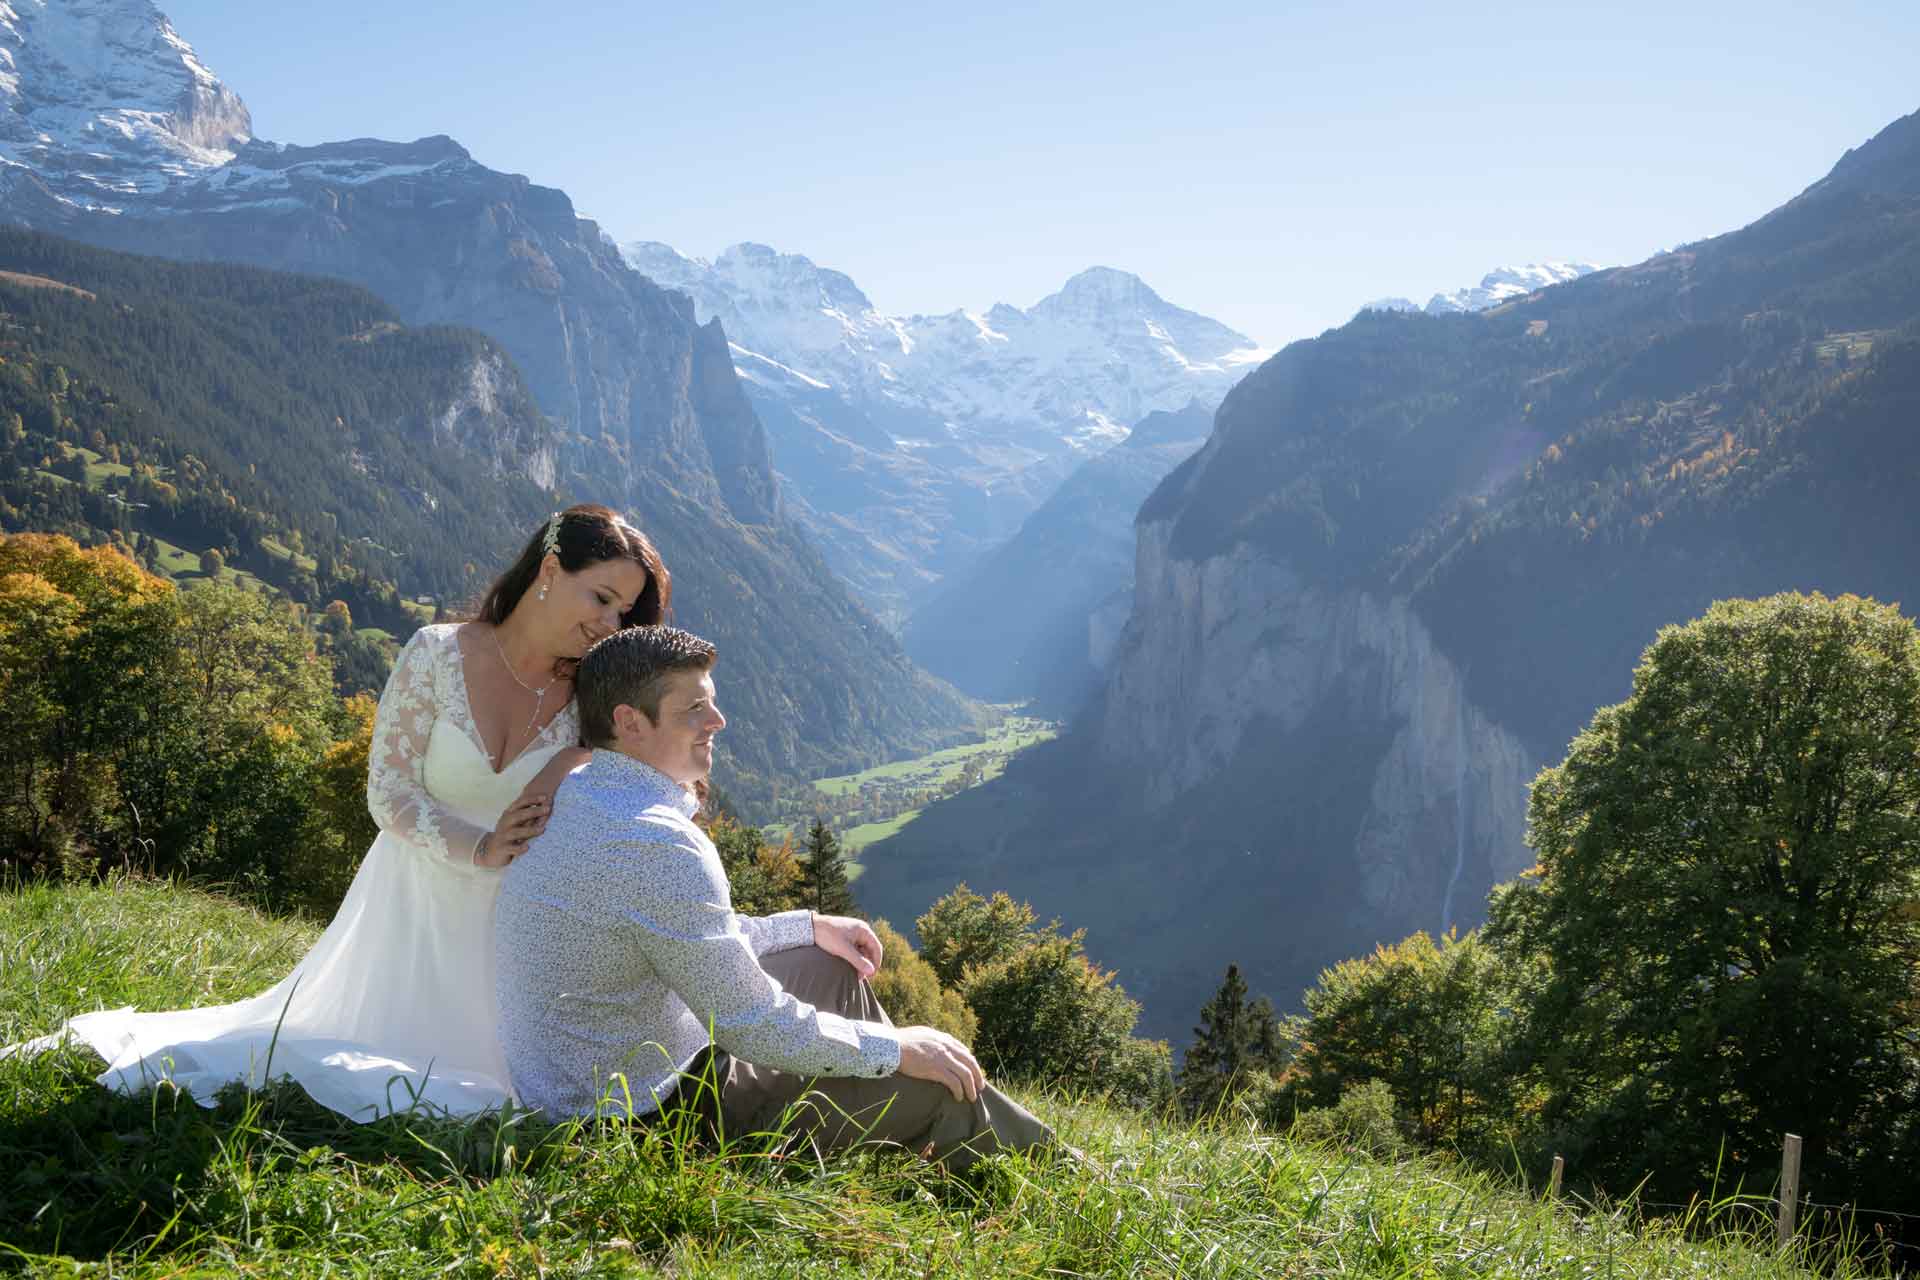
(543, 591)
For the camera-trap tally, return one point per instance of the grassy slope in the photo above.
(93, 1183)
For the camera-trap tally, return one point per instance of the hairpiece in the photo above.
(550, 542)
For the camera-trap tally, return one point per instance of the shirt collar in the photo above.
(656, 786)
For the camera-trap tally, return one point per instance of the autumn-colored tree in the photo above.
(911, 993)
(763, 877)
(85, 637)
(340, 829)
(964, 930)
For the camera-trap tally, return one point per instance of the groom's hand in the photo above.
(850, 939)
(928, 1054)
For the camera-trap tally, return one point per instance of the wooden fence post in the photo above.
(1553, 1179)
(1789, 1187)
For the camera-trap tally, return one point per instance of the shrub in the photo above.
(911, 993)
(963, 931)
(1364, 1118)
(1047, 1013)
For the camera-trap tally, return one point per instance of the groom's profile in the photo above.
(618, 949)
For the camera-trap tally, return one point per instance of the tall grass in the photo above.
(270, 1184)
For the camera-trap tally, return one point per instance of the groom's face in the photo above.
(681, 745)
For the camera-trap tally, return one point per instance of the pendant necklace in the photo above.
(539, 695)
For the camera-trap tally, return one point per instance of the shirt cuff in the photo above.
(879, 1050)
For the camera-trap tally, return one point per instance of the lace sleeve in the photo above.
(396, 765)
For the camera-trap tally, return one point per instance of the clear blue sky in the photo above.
(1272, 167)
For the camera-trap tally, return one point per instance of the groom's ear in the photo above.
(630, 722)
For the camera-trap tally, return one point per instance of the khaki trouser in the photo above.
(833, 1113)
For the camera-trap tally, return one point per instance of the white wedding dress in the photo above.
(393, 1007)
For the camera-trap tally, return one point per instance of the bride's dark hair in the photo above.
(582, 535)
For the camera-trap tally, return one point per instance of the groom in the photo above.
(618, 949)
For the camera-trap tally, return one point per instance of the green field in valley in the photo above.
(867, 807)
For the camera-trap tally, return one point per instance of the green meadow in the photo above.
(96, 1184)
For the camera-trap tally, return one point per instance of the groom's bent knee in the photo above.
(824, 981)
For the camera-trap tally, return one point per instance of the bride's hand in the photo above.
(527, 816)
(524, 819)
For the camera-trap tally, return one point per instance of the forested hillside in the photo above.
(296, 428)
(290, 423)
(1556, 478)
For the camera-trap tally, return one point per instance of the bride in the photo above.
(393, 1006)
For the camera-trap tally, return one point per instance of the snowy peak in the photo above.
(665, 265)
(750, 271)
(1102, 352)
(755, 268)
(1506, 283)
(1502, 284)
(783, 307)
(102, 100)
(1100, 291)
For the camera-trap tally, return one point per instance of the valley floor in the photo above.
(269, 1185)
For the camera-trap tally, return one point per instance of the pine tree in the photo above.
(1237, 1040)
(825, 884)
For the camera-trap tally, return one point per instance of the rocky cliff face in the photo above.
(1218, 646)
(473, 422)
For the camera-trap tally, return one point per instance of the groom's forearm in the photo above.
(782, 931)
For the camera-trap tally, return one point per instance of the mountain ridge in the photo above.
(953, 427)
(649, 414)
(1416, 554)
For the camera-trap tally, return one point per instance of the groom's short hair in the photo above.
(631, 667)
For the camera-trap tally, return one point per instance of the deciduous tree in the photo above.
(1728, 863)
(963, 930)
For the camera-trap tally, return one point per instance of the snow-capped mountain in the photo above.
(1103, 352)
(914, 442)
(102, 100)
(1502, 284)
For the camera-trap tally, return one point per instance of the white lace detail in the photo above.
(428, 685)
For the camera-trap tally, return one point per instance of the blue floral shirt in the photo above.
(618, 948)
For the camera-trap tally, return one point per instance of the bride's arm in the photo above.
(548, 780)
(396, 766)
